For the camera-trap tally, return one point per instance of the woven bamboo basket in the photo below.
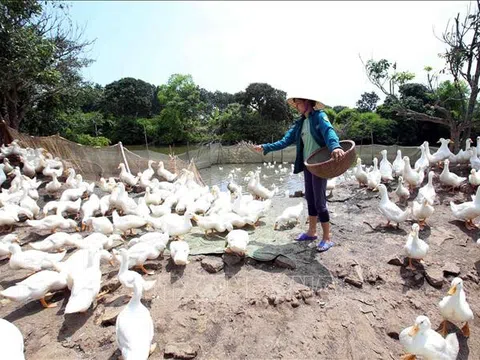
(322, 165)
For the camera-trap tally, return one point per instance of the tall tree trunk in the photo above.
(455, 137)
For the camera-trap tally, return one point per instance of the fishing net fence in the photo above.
(206, 155)
(96, 162)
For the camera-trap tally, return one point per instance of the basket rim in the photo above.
(330, 160)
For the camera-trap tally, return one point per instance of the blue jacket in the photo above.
(321, 130)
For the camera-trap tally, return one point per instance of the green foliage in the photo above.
(86, 139)
(383, 71)
(339, 108)
(368, 102)
(453, 96)
(129, 97)
(331, 114)
(40, 60)
(359, 126)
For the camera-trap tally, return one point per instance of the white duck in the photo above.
(151, 237)
(96, 241)
(179, 251)
(398, 164)
(89, 208)
(5, 244)
(212, 223)
(86, 285)
(147, 175)
(53, 186)
(389, 209)
(53, 222)
(427, 191)
(36, 286)
(463, 156)
(177, 225)
(7, 167)
(468, 210)
(78, 262)
(237, 241)
(454, 307)
(127, 177)
(402, 192)
(134, 326)
(443, 153)
(448, 178)
(414, 178)
(3, 176)
(474, 177)
(291, 213)
(28, 169)
(374, 176)
(415, 248)
(107, 186)
(141, 252)
(386, 168)
(72, 194)
(127, 222)
(421, 340)
(126, 276)
(261, 191)
(232, 186)
(421, 211)
(71, 181)
(34, 260)
(56, 241)
(28, 203)
(164, 173)
(360, 174)
(474, 160)
(11, 341)
(154, 198)
(100, 224)
(423, 161)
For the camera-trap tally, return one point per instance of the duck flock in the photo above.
(96, 219)
(420, 339)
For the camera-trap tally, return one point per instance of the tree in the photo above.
(368, 102)
(339, 108)
(268, 101)
(455, 111)
(129, 97)
(40, 56)
(181, 110)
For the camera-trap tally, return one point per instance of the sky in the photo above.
(303, 48)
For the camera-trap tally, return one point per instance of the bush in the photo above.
(86, 139)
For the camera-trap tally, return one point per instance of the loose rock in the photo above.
(396, 261)
(451, 269)
(212, 264)
(355, 276)
(434, 277)
(109, 318)
(181, 350)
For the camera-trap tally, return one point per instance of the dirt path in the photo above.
(346, 303)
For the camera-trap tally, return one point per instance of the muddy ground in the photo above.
(346, 303)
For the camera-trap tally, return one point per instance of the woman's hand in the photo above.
(337, 154)
(258, 148)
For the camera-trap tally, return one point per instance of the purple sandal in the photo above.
(305, 237)
(324, 245)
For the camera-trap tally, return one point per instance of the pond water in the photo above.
(284, 180)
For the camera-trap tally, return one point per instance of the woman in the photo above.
(312, 131)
